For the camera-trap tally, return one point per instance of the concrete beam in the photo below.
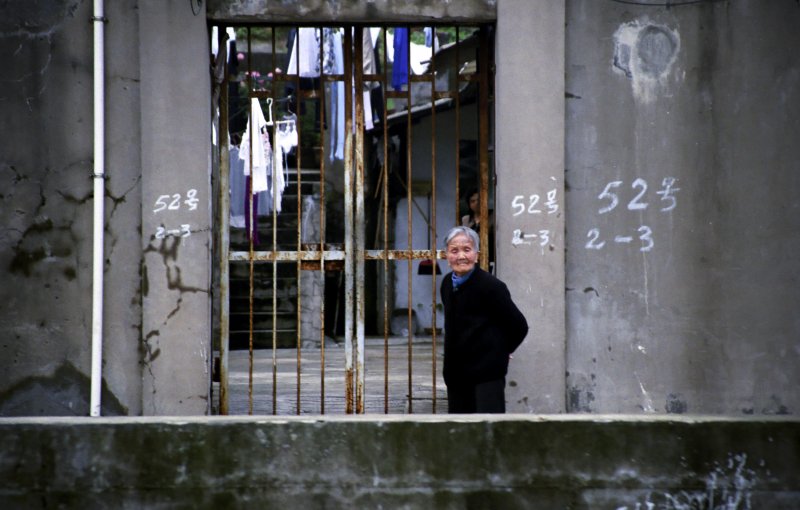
(511, 461)
(352, 11)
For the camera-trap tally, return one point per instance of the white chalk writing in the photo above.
(174, 202)
(610, 198)
(518, 204)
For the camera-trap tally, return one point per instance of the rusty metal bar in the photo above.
(385, 203)
(251, 235)
(348, 234)
(458, 130)
(223, 201)
(410, 227)
(299, 205)
(358, 87)
(432, 227)
(483, 141)
(323, 109)
(274, 281)
(334, 255)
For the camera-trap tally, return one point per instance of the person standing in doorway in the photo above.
(473, 220)
(482, 327)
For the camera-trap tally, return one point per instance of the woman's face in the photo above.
(461, 255)
(474, 202)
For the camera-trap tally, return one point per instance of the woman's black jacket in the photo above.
(482, 327)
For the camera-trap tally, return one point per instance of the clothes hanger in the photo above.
(269, 105)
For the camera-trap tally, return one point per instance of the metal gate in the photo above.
(359, 144)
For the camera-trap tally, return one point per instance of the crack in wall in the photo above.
(168, 249)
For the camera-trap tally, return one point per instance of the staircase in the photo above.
(284, 312)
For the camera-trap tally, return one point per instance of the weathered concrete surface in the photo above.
(352, 11)
(529, 152)
(683, 213)
(176, 209)
(46, 210)
(534, 462)
(157, 146)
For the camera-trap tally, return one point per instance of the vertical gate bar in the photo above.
(348, 214)
(274, 276)
(410, 228)
(458, 129)
(483, 137)
(296, 72)
(385, 183)
(433, 216)
(223, 201)
(323, 110)
(360, 227)
(251, 234)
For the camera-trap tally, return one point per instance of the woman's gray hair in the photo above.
(463, 231)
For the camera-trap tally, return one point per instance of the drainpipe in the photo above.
(99, 210)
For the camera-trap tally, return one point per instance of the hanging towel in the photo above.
(400, 64)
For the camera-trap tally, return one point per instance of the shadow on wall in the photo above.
(65, 393)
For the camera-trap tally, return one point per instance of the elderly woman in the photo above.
(482, 327)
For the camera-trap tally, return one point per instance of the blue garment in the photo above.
(458, 280)
(400, 64)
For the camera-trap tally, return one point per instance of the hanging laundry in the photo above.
(400, 64)
(305, 52)
(429, 37)
(285, 141)
(304, 59)
(369, 67)
(237, 189)
(257, 137)
(336, 101)
(251, 216)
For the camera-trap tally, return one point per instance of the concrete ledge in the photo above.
(352, 11)
(510, 461)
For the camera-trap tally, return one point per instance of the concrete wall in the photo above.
(530, 462)
(529, 208)
(46, 210)
(690, 116)
(157, 321)
(176, 209)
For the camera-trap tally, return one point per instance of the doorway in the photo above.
(343, 155)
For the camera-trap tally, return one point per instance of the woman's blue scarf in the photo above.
(458, 280)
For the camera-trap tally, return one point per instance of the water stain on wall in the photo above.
(645, 52)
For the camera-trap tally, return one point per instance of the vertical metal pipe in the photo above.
(348, 227)
(360, 226)
(99, 208)
(223, 219)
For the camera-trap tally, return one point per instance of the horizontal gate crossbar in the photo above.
(289, 256)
